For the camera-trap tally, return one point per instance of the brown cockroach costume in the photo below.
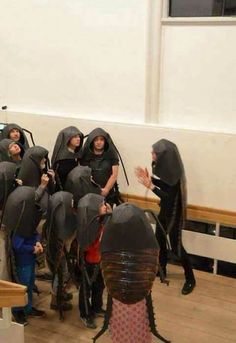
(129, 263)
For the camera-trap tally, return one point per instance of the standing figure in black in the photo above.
(66, 154)
(169, 184)
(100, 155)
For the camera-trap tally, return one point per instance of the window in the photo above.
(202, 8)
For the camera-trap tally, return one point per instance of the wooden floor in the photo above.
(208, 315)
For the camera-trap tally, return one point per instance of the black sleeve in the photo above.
(115, 162)
(161, 194)
(156, 182)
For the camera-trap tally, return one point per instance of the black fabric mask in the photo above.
(168, 166)
(60, 151)
(21, 215)
(30, 172)
(88, 225)
(61, 221)
(128, 230)
(79, 183)
(7, 181)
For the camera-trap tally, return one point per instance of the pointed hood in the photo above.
(7, 181)
(60, 217)
(129, 254)
(23, 139)
(128, 230)
(22, 215)
(109, 149)
(60, 151)
(4, 150)
(30, 172)
(88, 227)
(168, 166)
(79, 183)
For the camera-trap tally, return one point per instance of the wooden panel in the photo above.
(12, 294)
(198, 213)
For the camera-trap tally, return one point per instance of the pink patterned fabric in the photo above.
(129, 323)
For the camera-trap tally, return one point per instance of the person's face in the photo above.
(74, 142)
(14, 135)
(154, 156)
(43, 163)
(14, 149)
(103, 209)
(99, 143)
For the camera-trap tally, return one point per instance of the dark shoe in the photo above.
(99, 313)
(44, 277)
(67, 296)
(36, 313)
(89, 322)
(65, 306)
(20, 317)
(161, 271)
(188, 286)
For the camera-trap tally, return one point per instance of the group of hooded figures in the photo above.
(88, 229)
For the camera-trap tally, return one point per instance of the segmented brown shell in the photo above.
(129, 276)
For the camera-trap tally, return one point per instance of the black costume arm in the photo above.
(159, 192)
(156, 182)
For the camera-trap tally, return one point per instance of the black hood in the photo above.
(60, 151)
(88, 227)
(128, 230)
(168, 167)
(21, 215)
(4, 150)
(79, 183)
(61, 221)
(30, 172)
(109, 149)
(7, 181)
(23, 139)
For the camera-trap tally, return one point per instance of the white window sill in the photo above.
(199, 20)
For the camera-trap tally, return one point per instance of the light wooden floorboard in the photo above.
(208, 315)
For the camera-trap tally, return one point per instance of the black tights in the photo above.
(182, 254)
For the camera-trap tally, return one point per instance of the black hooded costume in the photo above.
(63, 159)
(23, 139)
(4, 151)
(102, 164)
(79, 183)
(89, 231)
(129, 267)
(60, 232)
(7, 181)
(31, 172)
(170, 186)
(21, 217)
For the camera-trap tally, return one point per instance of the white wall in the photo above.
(208, 157)
(198, 76)
(86, 58)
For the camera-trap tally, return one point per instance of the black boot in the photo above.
(188, 286)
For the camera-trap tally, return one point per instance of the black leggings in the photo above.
(182, 254)
(90, 300)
